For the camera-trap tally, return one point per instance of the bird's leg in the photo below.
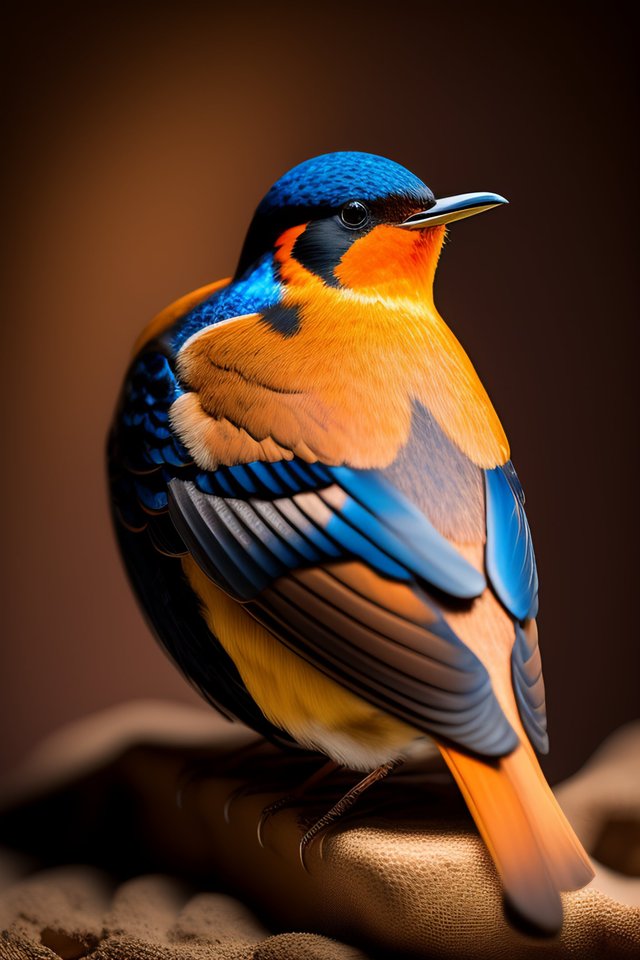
(291, 798)
(344, 804)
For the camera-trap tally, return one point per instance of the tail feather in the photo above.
(565, 856)
(530, 840)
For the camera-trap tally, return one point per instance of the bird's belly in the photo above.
(317, 712)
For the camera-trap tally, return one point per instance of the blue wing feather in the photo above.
(376, 524)
(393, 520)
(510, 560)
(526, 671)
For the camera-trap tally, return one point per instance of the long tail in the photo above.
(532, 844)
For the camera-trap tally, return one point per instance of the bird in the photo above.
(315, 503)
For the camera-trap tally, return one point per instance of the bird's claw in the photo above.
(237, 794)
(318, 830)
(269, 811)
(302, 848)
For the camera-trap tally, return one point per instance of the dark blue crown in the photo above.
(333, 178)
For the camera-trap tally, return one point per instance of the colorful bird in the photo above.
(316, 507)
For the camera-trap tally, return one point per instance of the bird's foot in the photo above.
(299, 795)
(341, 807)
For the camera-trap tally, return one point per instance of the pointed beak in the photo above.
(453, 208)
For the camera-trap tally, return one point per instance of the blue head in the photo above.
(317, 189)
(342, 197)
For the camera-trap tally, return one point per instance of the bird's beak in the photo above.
(453, 208)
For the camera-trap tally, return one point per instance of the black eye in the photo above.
(354, 214)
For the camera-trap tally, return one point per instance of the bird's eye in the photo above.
(354, 214)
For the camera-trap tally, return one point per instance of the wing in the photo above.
(340, 566)
(344, 569)
(511, 568)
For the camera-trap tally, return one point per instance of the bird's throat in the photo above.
(393, 263)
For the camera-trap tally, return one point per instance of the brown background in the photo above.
(139, 144)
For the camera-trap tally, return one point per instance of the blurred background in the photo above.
(138, 142)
